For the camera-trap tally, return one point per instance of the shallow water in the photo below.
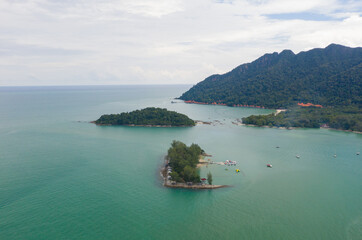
(64, 178)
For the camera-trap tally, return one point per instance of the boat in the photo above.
(277, 147)
(269, 165)
(230, 163)
(297, 156)
(237, 170)
(335, 155)
(357, 153)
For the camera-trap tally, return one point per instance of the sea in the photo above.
(62, 177)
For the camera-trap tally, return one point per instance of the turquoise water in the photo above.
(64, 178)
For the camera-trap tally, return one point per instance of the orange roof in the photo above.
(309, 105)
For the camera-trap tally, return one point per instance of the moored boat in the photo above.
(230, 163)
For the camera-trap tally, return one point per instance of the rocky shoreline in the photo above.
(172, 184)
(134, 125)
(291, 128)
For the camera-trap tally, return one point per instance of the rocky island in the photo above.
(148, 117)
(181, 168)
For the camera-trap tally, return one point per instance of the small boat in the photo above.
(237, 170)
(357, 153)
(297, 156)
(277, 147)
(269, 165)
(230, 163)
(335, 155)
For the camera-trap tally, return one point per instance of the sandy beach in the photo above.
(279, 111)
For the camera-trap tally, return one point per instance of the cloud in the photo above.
(8, 48)
(49, 42)
(111, 9)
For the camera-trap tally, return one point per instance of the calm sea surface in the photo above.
(64, 178)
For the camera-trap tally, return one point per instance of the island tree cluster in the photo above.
(148, 116)
(183, 161)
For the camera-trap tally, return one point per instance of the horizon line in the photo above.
(98, 85)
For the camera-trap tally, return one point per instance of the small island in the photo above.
(148, 117)
(181, 167)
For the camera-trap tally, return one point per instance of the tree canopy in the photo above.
(183, 161)
(330, 77)
(148, 116)
(209, 178)
(348, 118)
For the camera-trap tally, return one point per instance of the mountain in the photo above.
(331, 76)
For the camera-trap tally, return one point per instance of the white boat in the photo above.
(230, 163)
(297, 156)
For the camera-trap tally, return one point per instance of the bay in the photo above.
(64, 178)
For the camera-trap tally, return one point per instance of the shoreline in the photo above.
(223, 104)
(171, 184)
(238, 123)
(134, 125)
(194, 186)
(291, 128)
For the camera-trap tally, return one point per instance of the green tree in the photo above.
(190, 174)
(183, 160)
(175, 177)
(209, 178)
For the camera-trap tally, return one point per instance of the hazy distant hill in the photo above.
(329, 76)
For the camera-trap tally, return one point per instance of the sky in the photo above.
(114, 42)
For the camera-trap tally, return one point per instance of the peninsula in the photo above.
(321, 87)
(149, 117)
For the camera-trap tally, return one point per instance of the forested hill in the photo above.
(147, 117)
(330, 77)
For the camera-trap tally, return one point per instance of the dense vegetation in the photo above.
(183, 161)
(330, 77)
(148, 116)
(347, 118)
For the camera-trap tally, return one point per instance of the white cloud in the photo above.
(48, 42)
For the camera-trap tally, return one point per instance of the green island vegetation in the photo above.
(147, 117)
(330, 77)
(347, 118)
(183, 161)
(209, 178)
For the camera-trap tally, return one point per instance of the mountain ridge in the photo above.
(277, 80)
